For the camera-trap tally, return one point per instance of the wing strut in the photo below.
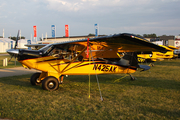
(96, 76)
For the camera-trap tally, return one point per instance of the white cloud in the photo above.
(80, 5)
(3, 16)
(62, 5)
(113, 16)
(77, 5)
(2, 5)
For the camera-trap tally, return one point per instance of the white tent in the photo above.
(21, 43)
(6, 44)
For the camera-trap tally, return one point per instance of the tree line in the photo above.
(14, 38)
(153, 35)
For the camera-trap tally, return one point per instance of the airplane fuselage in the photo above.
(57, 67)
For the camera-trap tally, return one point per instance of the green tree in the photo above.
(90, 34)
(139, 35)
(14, 38)
(153, 35)
(145, 35)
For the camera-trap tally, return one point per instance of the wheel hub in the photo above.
(38, 81)
(51, 85)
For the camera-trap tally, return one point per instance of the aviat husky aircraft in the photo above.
(83, 57)
(168, 55)
(154, 56)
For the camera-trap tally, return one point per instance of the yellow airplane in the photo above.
(168, 55)
(146, 57)
(83, 57)
(154, 56)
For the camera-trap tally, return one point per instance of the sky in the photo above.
(161, 17)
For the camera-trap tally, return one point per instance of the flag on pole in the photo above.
(96, 29)
(53, 28)
(35, 31)
(29, 42)
(11, 44)
(66, 31)
(87, 54)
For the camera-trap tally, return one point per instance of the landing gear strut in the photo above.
(61, 79)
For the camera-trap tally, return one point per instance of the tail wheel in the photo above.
(35, 79)
(50, 83)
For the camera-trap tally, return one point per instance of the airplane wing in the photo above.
(101, 47)
(172, 47)
(106, 46)
(121, 42)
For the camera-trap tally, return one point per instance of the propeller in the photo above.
(13, 52)
(16, 40)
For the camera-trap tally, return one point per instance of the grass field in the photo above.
(10, 64)
(154, 95)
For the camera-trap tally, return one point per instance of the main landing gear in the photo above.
(48, 83)
(35, 79)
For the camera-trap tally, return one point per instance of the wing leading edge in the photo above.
(124, 42)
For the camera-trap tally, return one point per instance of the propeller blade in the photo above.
(10, 58)
(14, 52)
(16, 40)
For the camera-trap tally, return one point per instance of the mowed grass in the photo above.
(154, 95)
(10, 64)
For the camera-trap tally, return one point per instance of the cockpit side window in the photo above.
(62, 51)
(57, 52)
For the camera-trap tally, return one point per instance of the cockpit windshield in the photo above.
(62, 51)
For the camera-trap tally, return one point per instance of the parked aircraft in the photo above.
(154, 56)
(83, 57)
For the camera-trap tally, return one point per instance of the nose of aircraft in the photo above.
(13, 51)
